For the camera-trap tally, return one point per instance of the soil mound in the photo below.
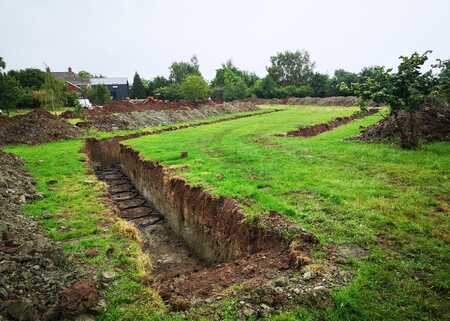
(134, 120)
(36, 127)
(431, 123)
(34, 273)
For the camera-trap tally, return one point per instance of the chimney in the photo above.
(70, 69)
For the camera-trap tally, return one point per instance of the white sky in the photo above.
(119, 37)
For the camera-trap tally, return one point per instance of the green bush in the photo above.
(266, 88)
(99, 94)
(171, 92)
(194, 87)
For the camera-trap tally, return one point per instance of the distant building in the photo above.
(117, 86)
(72, 80)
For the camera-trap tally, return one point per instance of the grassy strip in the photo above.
(72, 197)
(387, 200)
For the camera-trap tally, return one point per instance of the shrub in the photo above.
(194, 87)
(171, 92)
(99, 94)
(266, 88)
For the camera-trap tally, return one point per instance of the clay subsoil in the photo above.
(317, 129)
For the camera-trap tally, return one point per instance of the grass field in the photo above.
(390, 201)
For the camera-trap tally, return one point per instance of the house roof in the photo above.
(109, 81)
(71, 77)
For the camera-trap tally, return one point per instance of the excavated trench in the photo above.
(199, 243)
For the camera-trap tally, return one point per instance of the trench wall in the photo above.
(212, 227)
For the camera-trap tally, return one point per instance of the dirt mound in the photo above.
(134, 120)
(431, 123)
(348, 101)
(34, 272)
(317, 129)
(36, 127)
(141, 105)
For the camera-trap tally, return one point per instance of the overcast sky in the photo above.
(119, 37)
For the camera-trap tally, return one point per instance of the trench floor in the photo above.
(170, 257)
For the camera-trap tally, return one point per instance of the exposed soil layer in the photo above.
(36, 127)
(348, 101)
(432, 123)
(203, 248)
(132, 120)
(37, 281)
(317, 129)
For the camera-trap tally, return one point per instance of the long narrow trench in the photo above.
(171, 258)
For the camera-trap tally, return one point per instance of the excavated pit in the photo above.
(200, 245)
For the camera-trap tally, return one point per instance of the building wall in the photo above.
(118, 92)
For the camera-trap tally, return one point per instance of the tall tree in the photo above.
(55, 91)
(31, 78)
(342, 82)
(291, 68)
(10, 90)
(180, 70)
(138, 89)
(157, 83)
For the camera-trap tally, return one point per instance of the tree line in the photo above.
(290, 74)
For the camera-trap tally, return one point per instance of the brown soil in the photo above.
(317, 129)
(432, 123)
(36, 127)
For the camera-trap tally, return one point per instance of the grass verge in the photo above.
(392, 202)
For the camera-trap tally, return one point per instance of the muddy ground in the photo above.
(37, 281)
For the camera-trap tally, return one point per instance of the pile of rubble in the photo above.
(37, 282)
(134, 120)
(36, 127)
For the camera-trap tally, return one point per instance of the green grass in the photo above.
(73, 197)
(344, 191)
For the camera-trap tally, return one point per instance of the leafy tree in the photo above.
(266, 88)
(194, 87)
(157, 83)
(99, 94)
(291, 68)
(85, 74)
(31, 78)
(342, 82)
(234, 86)
(404, 91)
(55, 91)
(444, 79)
(10, 92)
(2, 63)
(138, 89)
(171, 92)
(320, 85)
(180, 70)
(296, 91)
